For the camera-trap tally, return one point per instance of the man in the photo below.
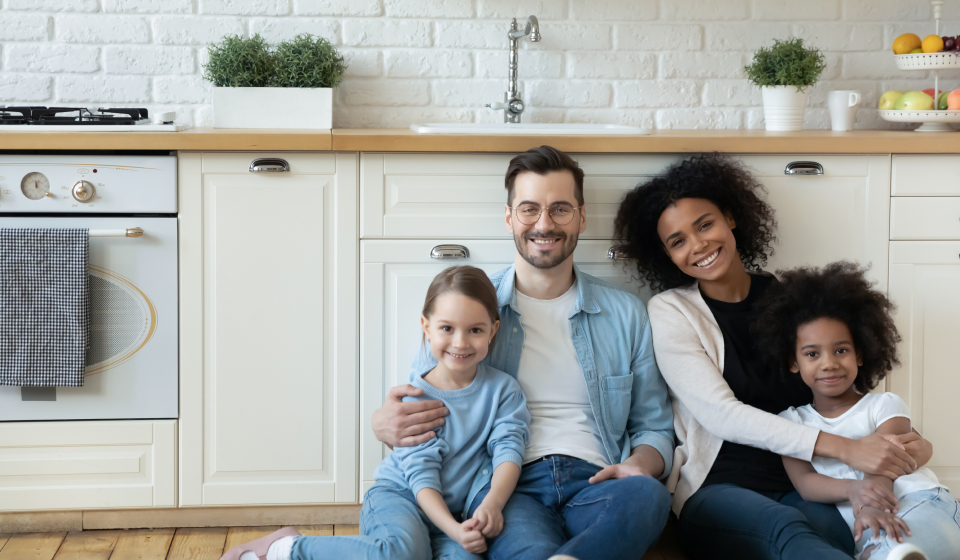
(601, 432)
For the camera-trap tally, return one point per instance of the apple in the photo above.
(942, 100)
(887, 99)
(953, 100)
(914, 101)
(928, 91)
(916, 51)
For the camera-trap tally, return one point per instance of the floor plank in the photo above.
(32, 546)
(198, 544)
(143, 544)
(4, 537)
(315, 530)
(240, 535)
(346, 529)
(88, 545)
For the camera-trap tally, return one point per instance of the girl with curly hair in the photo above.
(701, 234)
(830, 329)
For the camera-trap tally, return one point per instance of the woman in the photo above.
(700, 234)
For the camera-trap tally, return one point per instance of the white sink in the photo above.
(525, 128)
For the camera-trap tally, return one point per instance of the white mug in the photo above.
(843, 108)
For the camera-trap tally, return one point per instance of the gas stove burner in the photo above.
(40, 116)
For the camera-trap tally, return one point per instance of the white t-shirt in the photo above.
(561, 420)
(861, 420)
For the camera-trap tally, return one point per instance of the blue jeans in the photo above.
(554, 510)
(934, 520)
(725, 521)
(392, 526)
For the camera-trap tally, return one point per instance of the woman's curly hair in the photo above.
(837, 291)
(723, 182)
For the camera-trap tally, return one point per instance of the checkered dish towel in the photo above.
(44, 306)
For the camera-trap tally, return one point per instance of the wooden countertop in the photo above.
(404, 140)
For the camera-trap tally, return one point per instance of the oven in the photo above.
(130, 210)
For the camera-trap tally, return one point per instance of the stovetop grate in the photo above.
(39, 116)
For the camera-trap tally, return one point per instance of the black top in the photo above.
(754, 383)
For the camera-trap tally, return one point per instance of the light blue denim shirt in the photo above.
(614, 345)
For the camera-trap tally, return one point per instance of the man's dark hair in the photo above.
(541, 161)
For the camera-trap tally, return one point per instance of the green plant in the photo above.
(787, 63)
(308, 62)
(239, 62)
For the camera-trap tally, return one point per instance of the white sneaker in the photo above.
(906, 551)
(565, 557)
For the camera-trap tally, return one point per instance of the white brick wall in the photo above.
(653, 63)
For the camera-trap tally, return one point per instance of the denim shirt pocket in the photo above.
(616, 393)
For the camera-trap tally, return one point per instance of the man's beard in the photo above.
(567, 245)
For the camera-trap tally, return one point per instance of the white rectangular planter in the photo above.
(272, 107)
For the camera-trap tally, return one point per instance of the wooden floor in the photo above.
(182, 544)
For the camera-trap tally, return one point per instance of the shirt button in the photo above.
(485, 471)
(514, 329)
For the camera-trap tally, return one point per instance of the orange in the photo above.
(932, 44)
(906, 43)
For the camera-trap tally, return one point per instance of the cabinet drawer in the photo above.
(925, 218)
(926, 175)
(81, 465)
(300, 163)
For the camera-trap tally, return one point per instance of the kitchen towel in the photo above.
(44, 306)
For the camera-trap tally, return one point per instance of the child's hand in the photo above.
(490, 520)
(875, 519)
(470, 537)
(862, 493)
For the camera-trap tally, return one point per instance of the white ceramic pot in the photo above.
(272, 107)
(783, 107)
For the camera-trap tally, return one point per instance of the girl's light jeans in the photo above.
(934, 520)
(392, 526)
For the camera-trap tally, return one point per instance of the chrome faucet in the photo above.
(512, 105)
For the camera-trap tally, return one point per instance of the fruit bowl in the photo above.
(933, 121)
(928, 61)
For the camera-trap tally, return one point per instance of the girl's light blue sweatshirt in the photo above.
(488, 420)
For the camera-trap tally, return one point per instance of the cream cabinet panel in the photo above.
(87, 465)
(840, 215)
(925, 175)
(924, 277)
(269, 355)
(925, 218)
(463, 195)
(394, 279)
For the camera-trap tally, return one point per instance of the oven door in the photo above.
(132, 362)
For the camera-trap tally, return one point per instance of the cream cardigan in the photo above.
(689, 348)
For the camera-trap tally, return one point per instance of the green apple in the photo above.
(887, 99)
(913, 101)
(942, 101)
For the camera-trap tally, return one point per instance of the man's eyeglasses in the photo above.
(561, 213)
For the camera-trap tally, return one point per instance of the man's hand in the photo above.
(875, 519)
(868, 492)
(620, 470)
(489, 519)
(406, 424)
(470, 538)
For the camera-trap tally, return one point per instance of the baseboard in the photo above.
(86, 520)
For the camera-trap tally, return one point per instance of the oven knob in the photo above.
(83, 191)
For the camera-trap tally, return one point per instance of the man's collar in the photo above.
(586, 301)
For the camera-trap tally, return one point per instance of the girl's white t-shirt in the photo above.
(861, 420)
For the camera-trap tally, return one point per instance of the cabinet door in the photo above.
(924, 276)
(393, 283)
(840, 215)
(269, 280)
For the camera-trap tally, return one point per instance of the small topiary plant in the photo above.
(787, 63)
(308, 62)
(240, 62)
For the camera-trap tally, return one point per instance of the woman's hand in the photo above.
(920, 449)
(875, 455)
(489, 519)
(870, 493)
(470, 538)
(875, 519)
(406, 424)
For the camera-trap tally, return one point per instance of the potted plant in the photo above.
(291, 87)
(784, 72)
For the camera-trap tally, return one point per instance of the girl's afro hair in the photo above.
(837, 291)
(712, 177)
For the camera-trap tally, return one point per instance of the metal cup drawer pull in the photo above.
(269, 165)
(803, 168)
(615, 254)
(444, 252)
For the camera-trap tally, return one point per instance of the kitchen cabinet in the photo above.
(268, 279)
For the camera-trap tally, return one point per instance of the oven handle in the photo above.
(129, 232)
